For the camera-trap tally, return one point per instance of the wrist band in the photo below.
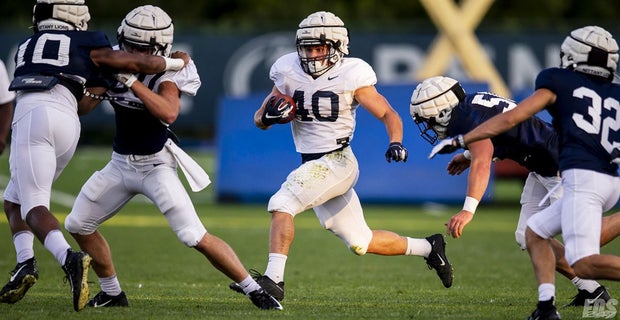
(470, 204)
(173, 64)
(467, 155)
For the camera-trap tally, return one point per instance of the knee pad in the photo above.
(356, 239)
(74, 225)
(191, 235)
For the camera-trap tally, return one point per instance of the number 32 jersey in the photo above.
(326, 106)
(586, 115)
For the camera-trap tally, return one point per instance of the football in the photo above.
(286, 116)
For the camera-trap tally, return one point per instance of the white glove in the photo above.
(126, 78)
(448, 145)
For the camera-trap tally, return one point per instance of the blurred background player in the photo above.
(584, 104)
(327, 89)
(46, 129)
(6, 106)
(441, 108)
(145, 160)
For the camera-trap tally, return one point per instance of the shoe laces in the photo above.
(255, 274)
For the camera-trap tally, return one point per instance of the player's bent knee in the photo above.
(74, 225)
(358, 250)
(190, 236)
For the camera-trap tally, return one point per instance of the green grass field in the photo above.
(165, 280)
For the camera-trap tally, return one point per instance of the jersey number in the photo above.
(334, 101)
(490, 100)
(596, 125)
(60, 42)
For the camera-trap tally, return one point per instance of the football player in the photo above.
(144, 161)
(585, 106)
(327, 88)
(53, 66)
(441, 108)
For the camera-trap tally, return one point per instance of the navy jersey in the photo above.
(532, 143)
(53, 52)
(137, 130)
(586, 115)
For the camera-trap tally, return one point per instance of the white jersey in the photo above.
(326, 105)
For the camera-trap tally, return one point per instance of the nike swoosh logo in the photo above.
(103, 304)
(268, 116)
(443, 263)
(332, 78)
(16, 273)
(597, 297)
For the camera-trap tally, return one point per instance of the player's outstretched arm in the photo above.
(499, 123)
(137, 63)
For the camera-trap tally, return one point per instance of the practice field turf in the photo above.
(165, 280)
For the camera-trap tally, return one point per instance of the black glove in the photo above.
(276, 111)
(448, 145)
(396, 152)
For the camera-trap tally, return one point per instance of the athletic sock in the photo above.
(110, 285)
(275, 267)
(24, 242)
(585, 284)
(248, 284)
(546, 291)
(56, 244)
(418, 247)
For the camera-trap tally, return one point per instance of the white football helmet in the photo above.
(431, 106)
(49, 15)
(590, 50)
(322, 28)
(147, 27)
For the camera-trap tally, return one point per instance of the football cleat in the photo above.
(22, 278)
(276, 290)
(263, 300)
(102, 299)
(545, 310)
(582, 296)
(437, 259)
(76, 271)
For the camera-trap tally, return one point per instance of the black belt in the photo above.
(76, 88)
(305, 157)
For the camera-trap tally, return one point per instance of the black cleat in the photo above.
(545, 310)
(22, 278)
(276, 290)
(76, 271)
(102, 299)
(437, 259)
(582, 296)
(263, 300)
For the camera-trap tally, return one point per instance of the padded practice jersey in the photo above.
(137, 130)
(326, 106)
(532, 143)
(54, 52)
(586, 115)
